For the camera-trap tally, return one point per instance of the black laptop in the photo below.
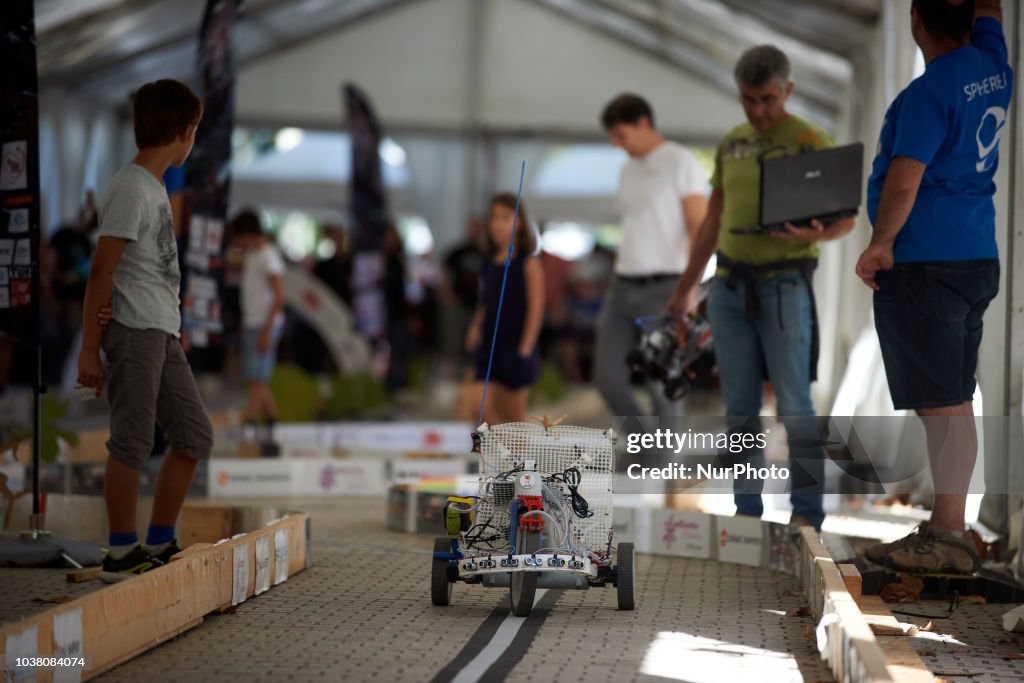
(824, 185)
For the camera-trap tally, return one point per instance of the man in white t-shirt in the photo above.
(262, 299)
(662, 200)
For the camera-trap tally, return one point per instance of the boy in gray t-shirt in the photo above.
(135, 270)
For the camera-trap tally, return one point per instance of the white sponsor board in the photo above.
(740, 540)
(304, 451)
(680, 533)
(438, 437)
(299, 435)
(413, 470)
(248, 477)
(340, 476)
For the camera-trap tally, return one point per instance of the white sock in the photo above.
(119, 551)
(156, 549)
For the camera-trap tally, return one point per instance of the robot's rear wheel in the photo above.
(626, 570)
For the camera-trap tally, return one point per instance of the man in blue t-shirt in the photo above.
(933, 262)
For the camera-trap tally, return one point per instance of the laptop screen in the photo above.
(824, 184)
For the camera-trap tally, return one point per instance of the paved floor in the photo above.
(24, 592)
(969, 645)
(363, 613)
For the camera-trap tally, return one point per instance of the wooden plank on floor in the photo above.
(82, 575)
(904, 662)
(125, 619)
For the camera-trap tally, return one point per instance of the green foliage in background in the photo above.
(296, 393)
(549, 387)
(354, 394)
(53, 409)
(418, 373)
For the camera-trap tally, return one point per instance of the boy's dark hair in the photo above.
(525, 243)
(626, 108)
(944, 19)
(162, 111)
(246, 222)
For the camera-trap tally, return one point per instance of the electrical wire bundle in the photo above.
(572, 478)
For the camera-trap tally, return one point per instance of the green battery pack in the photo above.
(457, 520)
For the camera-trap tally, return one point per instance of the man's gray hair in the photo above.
(759, 65)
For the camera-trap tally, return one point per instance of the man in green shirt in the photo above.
(760, 305)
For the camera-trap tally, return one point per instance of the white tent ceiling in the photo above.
(535, 66)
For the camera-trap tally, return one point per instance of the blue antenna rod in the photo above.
(501, 296)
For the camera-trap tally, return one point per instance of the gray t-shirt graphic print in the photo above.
(146, 280)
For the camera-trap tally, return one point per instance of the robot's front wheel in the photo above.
(522, 586)
(677, 388)
(440, 579)
(635, 360)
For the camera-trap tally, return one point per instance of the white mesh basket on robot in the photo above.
(505, 447)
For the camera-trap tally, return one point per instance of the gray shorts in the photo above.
(151, 382)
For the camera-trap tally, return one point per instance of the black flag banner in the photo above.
(369, 217)
(19, 173)
(208, 176)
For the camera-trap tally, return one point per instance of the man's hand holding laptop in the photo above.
(814, 233)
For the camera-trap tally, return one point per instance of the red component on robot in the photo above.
(529, 504)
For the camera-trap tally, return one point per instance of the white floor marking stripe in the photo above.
(501, 641)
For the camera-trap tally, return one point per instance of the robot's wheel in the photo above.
(625, 572)
(440, 579)
(635, 360)
(522, 586)
(677, 388)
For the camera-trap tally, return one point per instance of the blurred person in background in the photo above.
(662, 199)
(515, 364)
(262, 297)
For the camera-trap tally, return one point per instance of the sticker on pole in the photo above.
(262, 565)
(240, 580)
(19, 645)
(67, 641)
(280, 556)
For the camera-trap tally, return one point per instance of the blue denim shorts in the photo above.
(258, 366)
(929, 322)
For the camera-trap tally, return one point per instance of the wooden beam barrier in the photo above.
(904, 662)
(121, 621)
(850, 646)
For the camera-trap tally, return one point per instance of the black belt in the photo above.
(647, 279)
(749, 274)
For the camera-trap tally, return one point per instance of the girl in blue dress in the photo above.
(516, 362)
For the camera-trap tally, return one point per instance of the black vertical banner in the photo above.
(369, 216)
(208, 175)
(19, 173)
